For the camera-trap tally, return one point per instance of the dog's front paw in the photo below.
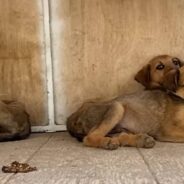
(145, 141)
(110, 143)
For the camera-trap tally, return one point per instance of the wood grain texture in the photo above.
(22, 73)
(98, 45)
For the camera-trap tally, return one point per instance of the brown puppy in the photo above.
(135, 119)
(14, 121)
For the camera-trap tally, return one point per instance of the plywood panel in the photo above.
(22, 70)
(98, 45)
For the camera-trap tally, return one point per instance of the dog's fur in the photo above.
(14, 121)
(136, 119)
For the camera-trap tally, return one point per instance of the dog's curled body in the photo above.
(14, 121)
(136, 119)
(145, 111)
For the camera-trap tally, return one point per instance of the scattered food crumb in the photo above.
(17, 167)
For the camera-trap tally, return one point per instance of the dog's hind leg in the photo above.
(136, 140)
(96, 137)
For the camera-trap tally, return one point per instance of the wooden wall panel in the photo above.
(98, 45)
(22, 68)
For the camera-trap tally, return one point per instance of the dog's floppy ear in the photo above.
(143, 76)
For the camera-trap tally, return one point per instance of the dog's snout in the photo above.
(172, 71)
(171, 80)
(175, 74)
(176, 79)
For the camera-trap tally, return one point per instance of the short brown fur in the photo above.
(136, 119)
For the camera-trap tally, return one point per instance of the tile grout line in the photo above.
(31, 156)
(41, 146)
(147, 165)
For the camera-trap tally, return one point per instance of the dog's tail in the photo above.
(74, 127)
(78, 136)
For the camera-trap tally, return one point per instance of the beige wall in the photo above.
(98, 45)
(22, 68)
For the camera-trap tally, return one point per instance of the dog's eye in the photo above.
(176, 61)
(160, 67)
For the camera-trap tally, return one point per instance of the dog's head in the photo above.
(162, 72)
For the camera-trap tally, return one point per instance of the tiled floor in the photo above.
(61, 159)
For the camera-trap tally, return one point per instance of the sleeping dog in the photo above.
(14, 121)
(136, 119)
